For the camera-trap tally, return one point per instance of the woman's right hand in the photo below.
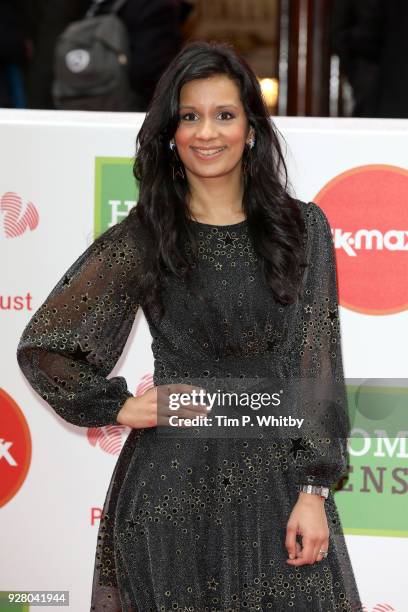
(151, 409)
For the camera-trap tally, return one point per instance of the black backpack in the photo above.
(91, 63)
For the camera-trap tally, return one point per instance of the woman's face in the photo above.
(213, 127)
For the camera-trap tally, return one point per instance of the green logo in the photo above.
(374, 498)
(116, 191)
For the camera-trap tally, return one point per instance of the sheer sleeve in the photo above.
(75, 338)
(320, 455)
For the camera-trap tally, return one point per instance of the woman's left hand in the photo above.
(307, 519)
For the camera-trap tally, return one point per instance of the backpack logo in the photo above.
(77, 60)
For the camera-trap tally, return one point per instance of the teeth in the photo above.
(209, 153)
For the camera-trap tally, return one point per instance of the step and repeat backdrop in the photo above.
(65, 178)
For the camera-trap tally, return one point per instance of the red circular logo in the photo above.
(368, 213)
(15, 448)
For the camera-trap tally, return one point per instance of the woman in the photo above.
(237, 282)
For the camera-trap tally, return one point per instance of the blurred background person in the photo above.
(155, 36)
(45, 21)
(370, 38)
(14, 50)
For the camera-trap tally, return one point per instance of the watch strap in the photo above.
(315, 490)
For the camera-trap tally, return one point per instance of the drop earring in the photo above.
(248, 165)
(176, 169)
(177, 172)
(251, 142)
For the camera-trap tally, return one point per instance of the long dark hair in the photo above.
(274, 220)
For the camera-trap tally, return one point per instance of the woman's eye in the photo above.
(185, 117)
(231, 116)
(224, 115)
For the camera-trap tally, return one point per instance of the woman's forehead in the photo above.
(210, 88)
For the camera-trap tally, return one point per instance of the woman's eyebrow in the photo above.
(217, 107)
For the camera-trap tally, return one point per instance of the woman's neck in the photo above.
(216, 200)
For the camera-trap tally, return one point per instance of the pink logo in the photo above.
(111, 438)
(380, 607)
(17, 217)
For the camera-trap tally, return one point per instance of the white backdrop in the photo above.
(48, 536)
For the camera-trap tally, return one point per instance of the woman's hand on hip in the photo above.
(153, 408)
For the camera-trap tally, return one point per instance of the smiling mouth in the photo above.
(208, 152)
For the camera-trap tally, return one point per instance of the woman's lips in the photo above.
(208, 153)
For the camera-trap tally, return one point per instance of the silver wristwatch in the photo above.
(315, 490)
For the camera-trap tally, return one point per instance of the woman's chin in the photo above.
(213, 171)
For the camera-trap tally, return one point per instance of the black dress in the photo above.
(195, 521)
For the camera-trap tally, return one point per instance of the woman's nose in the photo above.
(206, 129)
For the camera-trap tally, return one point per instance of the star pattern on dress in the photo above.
(332, 315)
(131, 523)
(228, 240)
(297, 446)
(269, 345)
(79, 354)
(227, 480)
(212, 584)
(66, 281)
